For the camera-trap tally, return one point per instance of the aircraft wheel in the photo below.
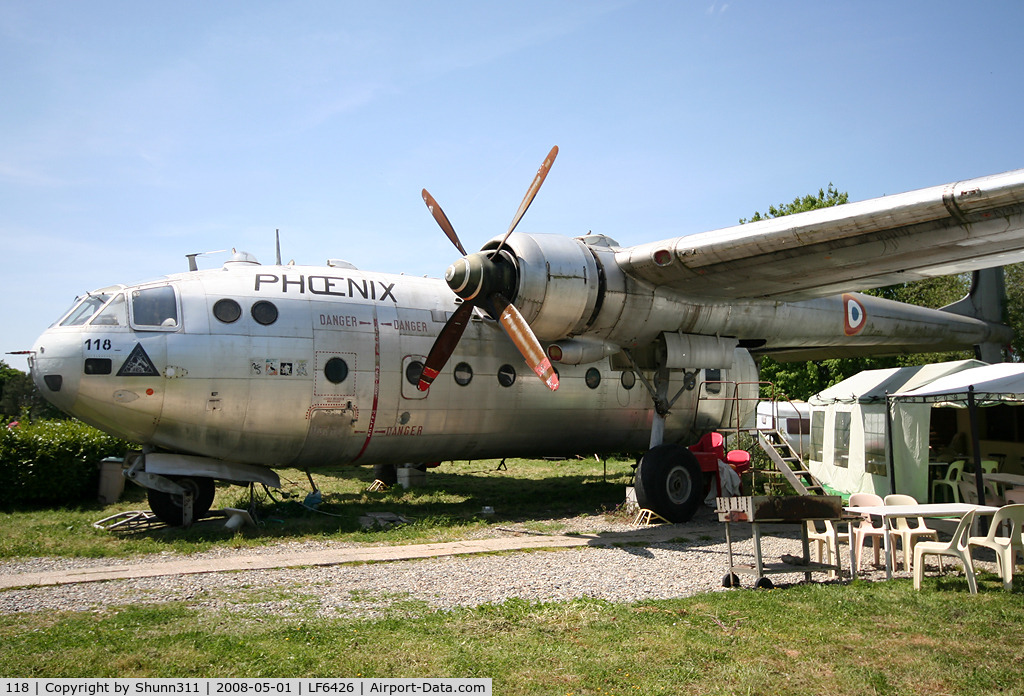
(167, 506)
(386, 473)
(669, 482)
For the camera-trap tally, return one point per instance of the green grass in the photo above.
(876, 638)
(447, 508)
(881, 638)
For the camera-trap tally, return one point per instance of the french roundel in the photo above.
(854, 316)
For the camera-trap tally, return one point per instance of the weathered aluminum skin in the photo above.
(221, 391)
(260, 392)
(936, 231)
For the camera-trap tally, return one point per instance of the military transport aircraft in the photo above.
(224, 374)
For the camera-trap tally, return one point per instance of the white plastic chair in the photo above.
(958, 546)
(969, 493)
(1014, 495)
(1006, 547)
(907, 534)
(827, 541)
(993, 491)
(866, 529)
(952, 476)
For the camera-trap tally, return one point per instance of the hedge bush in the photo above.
(53, 461)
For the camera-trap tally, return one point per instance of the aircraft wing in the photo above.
(964, 226)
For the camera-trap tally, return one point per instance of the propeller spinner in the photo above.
(486, 279)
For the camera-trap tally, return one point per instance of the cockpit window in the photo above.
(155, 307)
(84, 311)
(113, 314)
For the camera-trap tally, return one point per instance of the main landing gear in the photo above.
(668, 479)
(669, 482)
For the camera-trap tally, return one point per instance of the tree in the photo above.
(1015, 308)
(18, 394)
(824, 199)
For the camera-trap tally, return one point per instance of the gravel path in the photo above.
(692, 563)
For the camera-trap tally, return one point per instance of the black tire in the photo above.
(167, 506)
(669, 482)
(386, 473)
(764, 584)
(730, 580)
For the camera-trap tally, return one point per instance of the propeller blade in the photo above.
(445, 344)
(522, 335)
(542, 173)
(442, 220)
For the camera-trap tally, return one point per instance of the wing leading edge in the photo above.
(958, 227)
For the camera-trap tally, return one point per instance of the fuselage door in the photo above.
(412, 368)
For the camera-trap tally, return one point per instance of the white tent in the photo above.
(848, 430)
(911, 412)
(997, 383)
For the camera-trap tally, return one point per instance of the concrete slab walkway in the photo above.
(369, 554)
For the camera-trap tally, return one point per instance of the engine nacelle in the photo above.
(581, 351)
(558, 284)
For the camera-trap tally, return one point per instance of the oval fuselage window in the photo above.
(264, 312)
(227, 311)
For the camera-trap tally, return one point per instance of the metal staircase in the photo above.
(788, 462)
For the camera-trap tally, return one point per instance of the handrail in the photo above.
(703, 394)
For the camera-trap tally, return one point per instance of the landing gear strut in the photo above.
(668, 479)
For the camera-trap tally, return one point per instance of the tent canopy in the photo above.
(871, 386)
(992, 383)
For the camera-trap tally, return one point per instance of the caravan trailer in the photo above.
(791, 418)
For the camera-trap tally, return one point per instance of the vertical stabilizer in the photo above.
(986, 300)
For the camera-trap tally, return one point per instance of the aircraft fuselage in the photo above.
(317, 366)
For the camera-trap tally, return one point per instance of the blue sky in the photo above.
(133, 133)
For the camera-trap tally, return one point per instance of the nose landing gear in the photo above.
(173, 508)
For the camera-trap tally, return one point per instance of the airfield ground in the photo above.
(592, 556)
(599, 608)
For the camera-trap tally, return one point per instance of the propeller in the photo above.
(486, 279)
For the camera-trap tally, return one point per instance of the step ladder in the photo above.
(788, 462)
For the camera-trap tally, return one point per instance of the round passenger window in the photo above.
(336, 369)
(227, 311)
(506, 375)
(264, 312)
(413, 372)
(593, 378)
(463, 374)
(628, 379)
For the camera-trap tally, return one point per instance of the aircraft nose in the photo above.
(53, 368)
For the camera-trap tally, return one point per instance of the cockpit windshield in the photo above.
(85, 309)
(113, 314)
